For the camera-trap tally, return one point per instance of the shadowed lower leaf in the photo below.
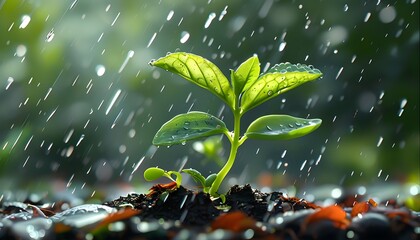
(188, 126)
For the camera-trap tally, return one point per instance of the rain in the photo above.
(80, 104)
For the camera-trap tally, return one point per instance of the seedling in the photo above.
(246, 90)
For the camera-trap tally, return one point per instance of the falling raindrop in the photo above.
(367, 17)
(303, 165)
(80, 139)
(170, 15)
(9, 82)
(21, 50)
(283, 154)
(50, 36)
(25, 21)
(151, 40)
(209, 19)
(114, 99)
(223, 13)
(380, 141)
(137, 165)
(346, 7)
(282, 46)
(130, 54)
(403, 103)
(339, 73)
(184, 37)
(387, 14)
(115, 19)
(100, 70)
(68, 136)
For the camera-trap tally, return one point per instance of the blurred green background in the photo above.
(79, 102)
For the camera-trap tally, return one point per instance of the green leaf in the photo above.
(196, 175)
(281, 127)
(210, 179)
(178, 177)
(277, 80)
(153, 173)
(198, 70)
(188, 126)
(246, 74)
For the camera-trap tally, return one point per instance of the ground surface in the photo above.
(167, 212)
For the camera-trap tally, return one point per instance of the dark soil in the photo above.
(168, 212)
(249, 213)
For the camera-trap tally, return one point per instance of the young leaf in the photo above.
(281, 127)
(198, 70)
(210, 179)
(153, 173)
(246, 74)
(188, 126)
(196, 175)
(277, 80)
(178, 177)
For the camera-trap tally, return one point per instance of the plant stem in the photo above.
(235, 143)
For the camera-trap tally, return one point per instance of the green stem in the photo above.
(235, 143)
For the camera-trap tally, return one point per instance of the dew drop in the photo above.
(151, 62)
(269, 93)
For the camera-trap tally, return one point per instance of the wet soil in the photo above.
(168, 212)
